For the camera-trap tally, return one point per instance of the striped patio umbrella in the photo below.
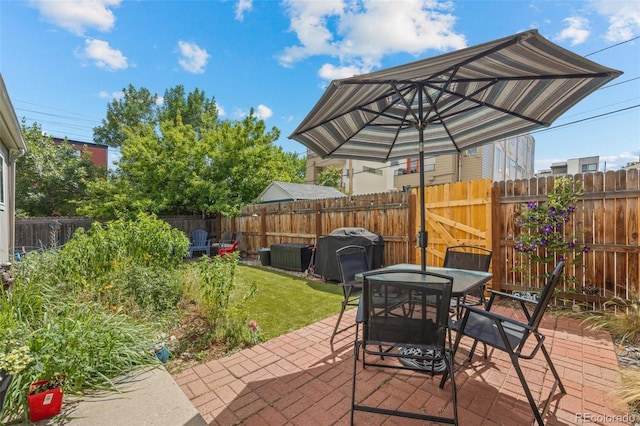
(450, 103)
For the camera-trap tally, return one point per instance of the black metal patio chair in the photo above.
(408, 310)
(473, 258)
(352, 260)
(510, 335)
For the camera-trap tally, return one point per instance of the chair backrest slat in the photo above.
(473, 258)
(199, 237)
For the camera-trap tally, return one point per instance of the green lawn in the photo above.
(283, 302)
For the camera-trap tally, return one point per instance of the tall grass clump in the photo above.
(213, 287)
(621, 318)
(92, 310)
(124, 265)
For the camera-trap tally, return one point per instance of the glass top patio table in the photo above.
(464, 281)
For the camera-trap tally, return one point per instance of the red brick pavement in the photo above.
(299, 379)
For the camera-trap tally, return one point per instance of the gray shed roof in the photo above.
(287, 191)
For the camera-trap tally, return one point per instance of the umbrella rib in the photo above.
(535, 77)
(434, 106)
(469, 98)
(377, 114)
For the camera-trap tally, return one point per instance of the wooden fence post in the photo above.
(411, 228)
(263, 227)
(496, 260)
(318, 221)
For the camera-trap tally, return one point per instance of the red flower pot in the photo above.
(44, 404)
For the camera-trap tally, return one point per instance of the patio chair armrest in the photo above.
(492, 315)
(511, 296)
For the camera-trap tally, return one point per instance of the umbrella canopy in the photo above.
(450, 102)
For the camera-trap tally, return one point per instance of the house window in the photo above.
(498, 160)
(413, 165)
(429, 164)
(471, 151)
(371, 170)
(586, 168)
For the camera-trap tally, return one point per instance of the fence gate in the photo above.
(456, 213)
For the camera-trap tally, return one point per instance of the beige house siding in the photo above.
(12, 146)
(471, 166)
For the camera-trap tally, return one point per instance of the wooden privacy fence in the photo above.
(475, 212)
(387, 214)
(606, 220)
(478, 213)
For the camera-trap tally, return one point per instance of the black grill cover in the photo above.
(326, 264)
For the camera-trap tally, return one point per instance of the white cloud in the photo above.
(103, 94)
(623, 17)
(615, 162)
(239, 113)
(331, 72)
(577, 30)
(193, 58)
(263, 112)
(242, 7)
(363, 32)
(221, 110)
(77, 16)
(103, 55)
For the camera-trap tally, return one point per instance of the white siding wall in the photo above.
(4, 209)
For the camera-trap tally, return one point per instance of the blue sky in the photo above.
(64, 61)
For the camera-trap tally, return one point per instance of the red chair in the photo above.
(228, 249)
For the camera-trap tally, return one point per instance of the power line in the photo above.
(612, 46)
(594, 117)
(586, 119)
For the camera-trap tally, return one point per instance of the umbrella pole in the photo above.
(422, 236)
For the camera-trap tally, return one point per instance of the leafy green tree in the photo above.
(50, 179)
(134, 110)
(187, 160)
(330, 177)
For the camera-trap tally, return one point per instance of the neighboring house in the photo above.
(99, 152)
(573, 166)
(277, 192)
(12, 146)
(506, 159)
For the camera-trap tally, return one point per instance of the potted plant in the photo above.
(45, 398)
(14, 357)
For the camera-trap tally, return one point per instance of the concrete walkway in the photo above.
(148, 397)
(299, 379)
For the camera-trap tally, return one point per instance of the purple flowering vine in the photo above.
(545, 236)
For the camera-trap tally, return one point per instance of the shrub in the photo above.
(122, 264)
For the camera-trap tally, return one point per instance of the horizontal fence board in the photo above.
(475, 212)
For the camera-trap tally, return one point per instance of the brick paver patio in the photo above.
(299, 379)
